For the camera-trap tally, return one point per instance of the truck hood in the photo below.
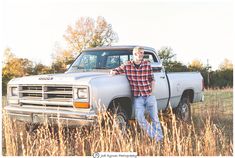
(78, 78)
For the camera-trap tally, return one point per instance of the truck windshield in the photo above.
(103, 59)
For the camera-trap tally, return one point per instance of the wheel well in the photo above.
(188, 93)
(124, 102)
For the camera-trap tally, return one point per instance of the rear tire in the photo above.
(183, 111)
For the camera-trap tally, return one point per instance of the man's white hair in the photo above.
(137, 49)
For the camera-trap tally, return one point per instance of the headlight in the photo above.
(14, 91)
(81, 99)
(82, 93)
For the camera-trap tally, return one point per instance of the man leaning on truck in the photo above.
(141, 79)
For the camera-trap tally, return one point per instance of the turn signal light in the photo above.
(81, 105)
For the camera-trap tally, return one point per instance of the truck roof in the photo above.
(118, 47)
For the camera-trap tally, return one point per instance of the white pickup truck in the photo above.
(75, 96)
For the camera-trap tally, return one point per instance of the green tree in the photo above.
(166, 55)
(175, 66)
(222, 78)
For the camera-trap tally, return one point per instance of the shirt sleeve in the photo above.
(151, 75)
(120, 69)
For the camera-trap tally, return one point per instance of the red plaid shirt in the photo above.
(140, 79)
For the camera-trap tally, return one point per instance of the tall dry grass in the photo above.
(205, 136)
(180, 139)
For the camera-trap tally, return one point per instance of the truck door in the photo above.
(161, 89)
(161, 86)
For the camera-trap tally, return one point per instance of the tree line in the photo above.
(87, 33)
(220, 78)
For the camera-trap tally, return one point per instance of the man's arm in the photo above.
(118, 70)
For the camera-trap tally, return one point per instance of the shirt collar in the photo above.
(132, 61)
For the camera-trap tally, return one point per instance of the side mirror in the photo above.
(157, 67)
(67, 66)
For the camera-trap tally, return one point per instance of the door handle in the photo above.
(162, 77)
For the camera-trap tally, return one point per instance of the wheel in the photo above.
(183, 110)
(119, 117)
(31, 127)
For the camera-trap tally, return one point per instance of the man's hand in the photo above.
(113, 72)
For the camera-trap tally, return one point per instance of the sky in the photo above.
(194, 29)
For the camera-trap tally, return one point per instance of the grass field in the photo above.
(209, 134)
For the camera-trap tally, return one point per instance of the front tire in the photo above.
(31, 127)
(119, 117)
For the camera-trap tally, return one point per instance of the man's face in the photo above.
(139, 55)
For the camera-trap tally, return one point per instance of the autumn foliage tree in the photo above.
(226, 65)
(86, 33)
(14, 67)
(196, 65)
(39, 69)
(61, 59)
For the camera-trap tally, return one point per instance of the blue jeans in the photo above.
(149, 103)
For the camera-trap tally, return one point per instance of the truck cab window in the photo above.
(123, 59)
(115, 61)
(105, 59)
(88, 62)
(147, 56)
(112, 62)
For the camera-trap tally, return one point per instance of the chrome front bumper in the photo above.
(53, 116)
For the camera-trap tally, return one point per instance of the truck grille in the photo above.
(46, 95)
